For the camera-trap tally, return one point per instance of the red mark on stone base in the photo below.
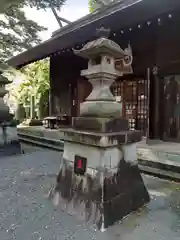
(79, 164)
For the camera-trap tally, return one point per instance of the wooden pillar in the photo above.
(50, 103)
(156, 103)
(154, 132)
(84, 88)
(32, 104)
(162, 108)
(50, 89)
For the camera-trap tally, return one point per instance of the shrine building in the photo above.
(151, 93)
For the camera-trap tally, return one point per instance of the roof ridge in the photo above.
(93, 17)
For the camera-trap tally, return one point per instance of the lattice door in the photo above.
(142, 105)
(134, 100)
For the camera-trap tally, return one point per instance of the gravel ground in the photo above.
(25, 213)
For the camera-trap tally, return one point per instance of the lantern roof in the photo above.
(101, 46)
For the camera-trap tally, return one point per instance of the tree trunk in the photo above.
(32, 115)
(4, 134)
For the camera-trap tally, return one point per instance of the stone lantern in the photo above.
(99, 179)
(9, 144)
(4, 109)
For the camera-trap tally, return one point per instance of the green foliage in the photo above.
(39, 4)
(17, 33)
(91, 5)
(36, 84)
(20, 113)
(37, 81)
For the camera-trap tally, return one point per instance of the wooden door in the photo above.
(134, 97)
(84, 88)
(130, 102)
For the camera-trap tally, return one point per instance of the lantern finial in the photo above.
(103, 32)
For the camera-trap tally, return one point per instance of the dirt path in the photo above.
(25, 214)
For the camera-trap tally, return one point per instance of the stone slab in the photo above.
(67, 133)
(40, 132)
(43, 142)
(159, 162)
(101, 139)
(104, 125)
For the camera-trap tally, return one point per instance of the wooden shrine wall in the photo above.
(165, 90)
(153, 45)
(157, 44)
(84, 88)
(60, 82)
(64, 74)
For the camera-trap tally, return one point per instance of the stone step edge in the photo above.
(46, 143)
(149, 148)
(38, 144)
(159, 169)
(21, 134)
(172, 159)
(159, 173)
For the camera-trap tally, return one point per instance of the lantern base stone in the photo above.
(103, 125)
(111, 187)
